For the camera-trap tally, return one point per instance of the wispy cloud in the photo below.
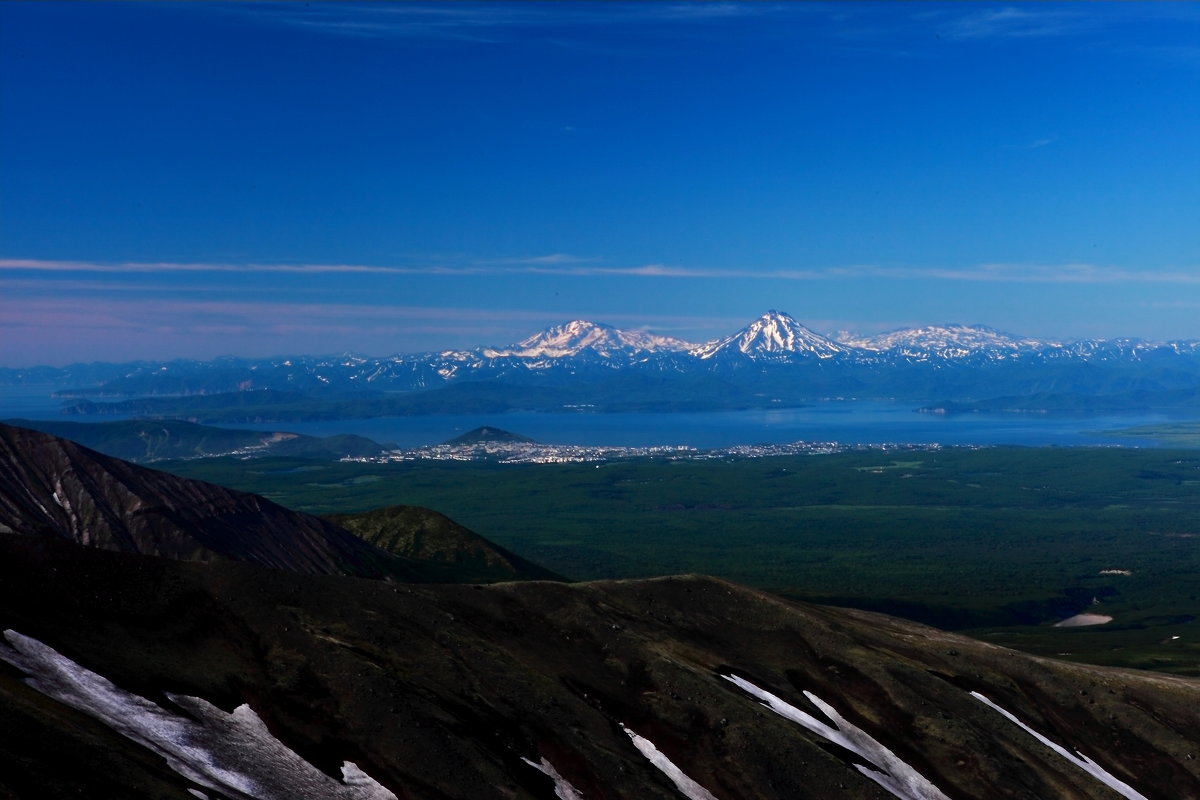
(982, 273)
(64, 285)
(665, 271)
(184, 314)
(565, 265)
(552, 258)
(487, 22)
(1035, 144)
(1018, 23)
(248, 310)
(1056, 273)
(130, 267)
(669, 12)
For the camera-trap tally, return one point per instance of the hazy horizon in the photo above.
(186, 180)
(833, 335)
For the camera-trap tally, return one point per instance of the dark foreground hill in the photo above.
(231, 681)
(55, 487)
(126, 674)
(435, 539)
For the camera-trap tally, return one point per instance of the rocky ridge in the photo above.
(55, 487)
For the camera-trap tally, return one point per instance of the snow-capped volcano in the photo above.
(773, 335)
(572, 338)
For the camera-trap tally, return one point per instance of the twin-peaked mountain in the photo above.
(773, 361)
(579, 336)
(773, 336)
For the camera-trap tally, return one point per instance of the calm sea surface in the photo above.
(850, 423)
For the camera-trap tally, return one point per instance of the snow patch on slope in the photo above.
(688, 787)
(895, 776)
(223, 752)
(563, 789)
(560, 341)
(945, 341)
(1078, 759)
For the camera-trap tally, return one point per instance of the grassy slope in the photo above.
(972, 539)
(435, 539)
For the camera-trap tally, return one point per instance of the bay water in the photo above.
(843, 422)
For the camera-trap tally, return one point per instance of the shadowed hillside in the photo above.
(425, 535)
(55, 487)
(479, 692)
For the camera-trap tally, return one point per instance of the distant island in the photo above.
(486, 433)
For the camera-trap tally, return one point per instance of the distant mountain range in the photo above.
(773, 361)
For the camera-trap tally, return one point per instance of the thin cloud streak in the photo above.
(985, 273)
(1017, 23)
(36, 265)
(60, 285)
(1036, 144)
(552, 258)
(1058, 273)
(33, 309)
(488, 22)
(566, 265)
(123, 312)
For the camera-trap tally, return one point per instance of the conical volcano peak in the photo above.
(775, 334)
(776, 331)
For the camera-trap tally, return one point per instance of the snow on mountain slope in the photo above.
(771, 336)
(945, 341)
(231, 753)
(560, 341)
(582, 348)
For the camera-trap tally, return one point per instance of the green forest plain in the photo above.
(995, 542)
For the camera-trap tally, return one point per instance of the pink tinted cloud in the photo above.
(129, 267)
(59, 330)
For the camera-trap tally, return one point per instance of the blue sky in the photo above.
(192, 179)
